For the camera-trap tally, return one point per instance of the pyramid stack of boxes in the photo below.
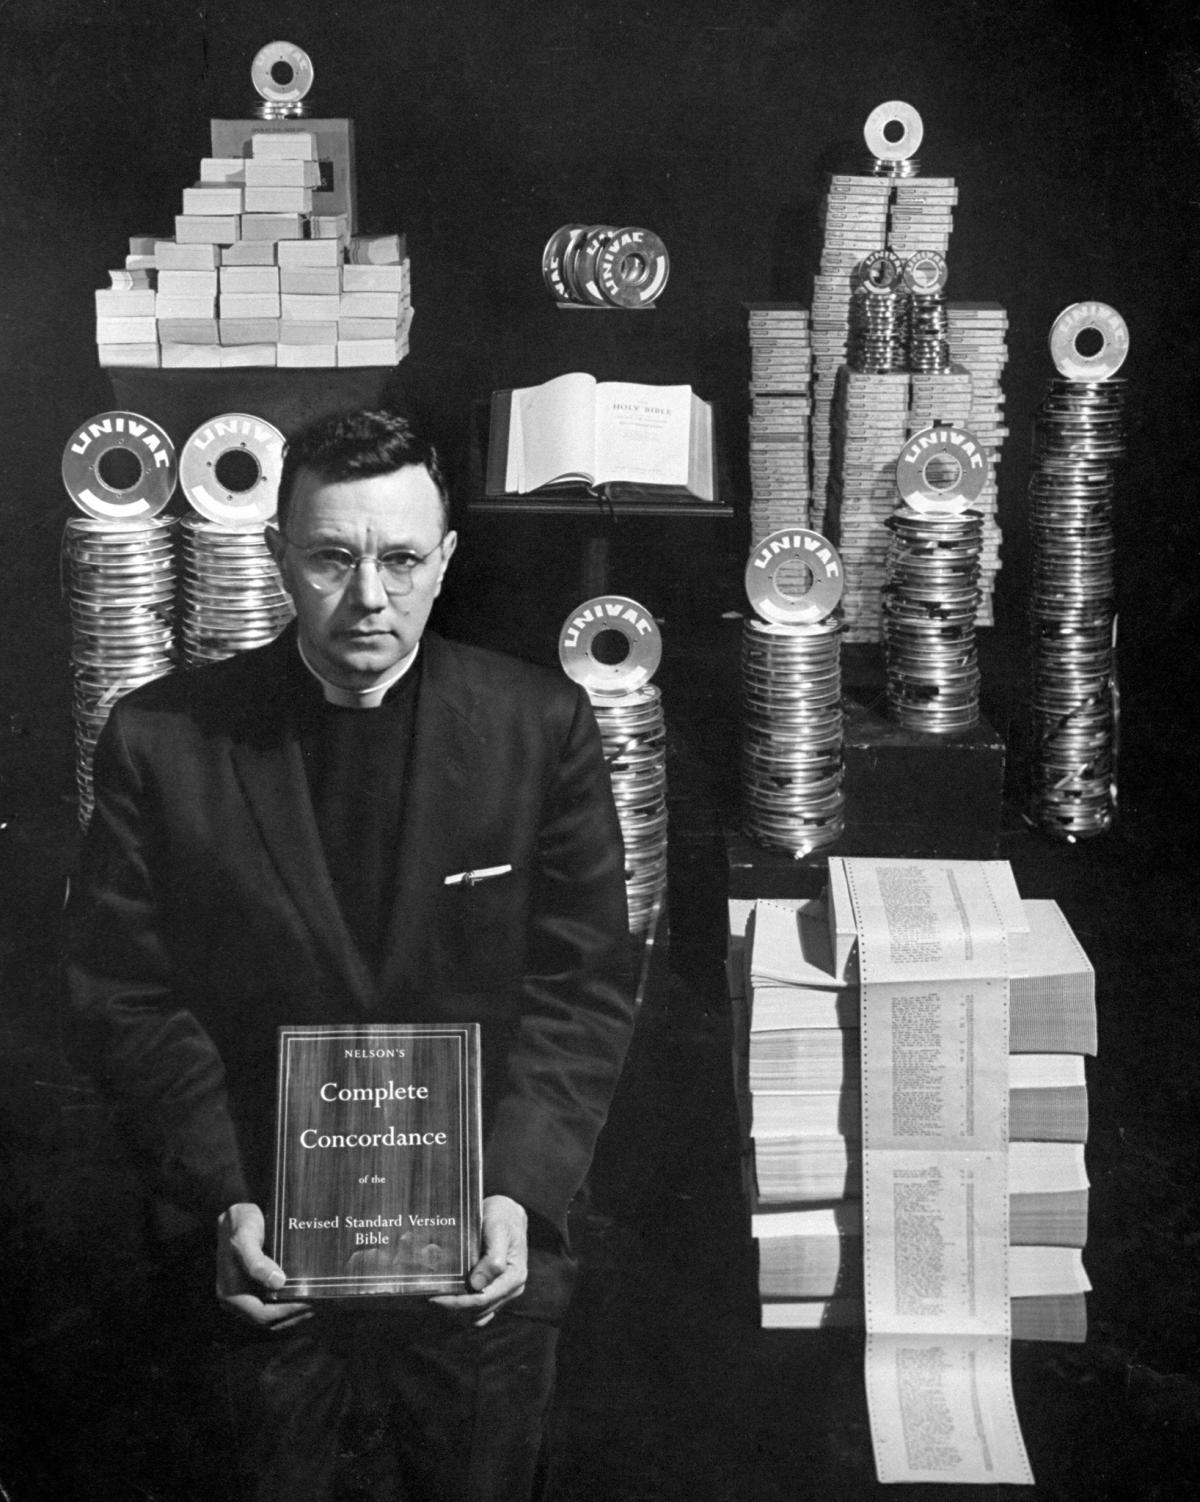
(795, 1002)
(256, 274)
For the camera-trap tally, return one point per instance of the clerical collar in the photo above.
(359, 698)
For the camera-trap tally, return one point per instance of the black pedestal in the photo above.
(183, 400)
(908, 793)
(912, 793)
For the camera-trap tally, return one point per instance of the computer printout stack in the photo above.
(795, 993)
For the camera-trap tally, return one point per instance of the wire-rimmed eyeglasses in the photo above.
(329, 568)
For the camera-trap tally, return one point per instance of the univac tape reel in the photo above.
(581, 631)
(791, 546)
(288, 58)
(552, 259)
(925, 273)
(946, 448)
(602, 266)
(879, 273)
(587, 254)
(566, 260)
(1098, 319)
(229, 469)
(149, 481)
(907, 144)
(632, 268)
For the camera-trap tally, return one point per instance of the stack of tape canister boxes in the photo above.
(265, 267)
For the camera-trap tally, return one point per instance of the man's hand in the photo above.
(243, 1268)
(499, 1275)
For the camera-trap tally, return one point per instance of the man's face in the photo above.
(357, 633)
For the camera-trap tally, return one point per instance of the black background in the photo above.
(1073, 134)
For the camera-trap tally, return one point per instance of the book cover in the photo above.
(378, 1159)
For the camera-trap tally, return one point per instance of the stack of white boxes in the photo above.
(855, 220)
(781, 405)
(254, 277)
(977, 336)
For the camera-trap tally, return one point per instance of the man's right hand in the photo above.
(244, 1269)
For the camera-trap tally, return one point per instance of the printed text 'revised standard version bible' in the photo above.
(378, 1177)
(574, 431)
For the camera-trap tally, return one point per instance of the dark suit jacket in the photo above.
(202, 916)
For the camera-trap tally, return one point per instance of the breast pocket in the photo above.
(482, 923)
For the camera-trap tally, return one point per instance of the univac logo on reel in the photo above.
(603, 266)
(1068, 337)
(282, 74)
(581, 634)
(942, 454)
(92, 460)
(230, 469)
(787, 552)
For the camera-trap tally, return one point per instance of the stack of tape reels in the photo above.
(931, 594)
(137, 606)
(629, 712)
(604, 266)
(282, 74)
(893, 133)
(792, 693)
(232, 597)
(120, 470)
(1079, 435)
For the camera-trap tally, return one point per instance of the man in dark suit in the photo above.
(362, 821)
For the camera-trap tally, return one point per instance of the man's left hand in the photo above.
(499, 1275)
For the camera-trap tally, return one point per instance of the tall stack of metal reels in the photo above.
(792, 792)
(120, 470)
(1079, 436)
(612, 646)
(931, 594)
(136, 613)
(231, 597)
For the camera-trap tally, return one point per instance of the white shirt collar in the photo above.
(359, 698)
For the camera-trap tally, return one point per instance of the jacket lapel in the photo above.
(269, 768)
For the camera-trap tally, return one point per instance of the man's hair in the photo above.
(356, 446)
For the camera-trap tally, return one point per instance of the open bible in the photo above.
(574, 431)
